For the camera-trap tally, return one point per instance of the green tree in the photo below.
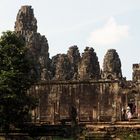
(15, 80)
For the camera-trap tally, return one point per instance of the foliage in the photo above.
(15, 80)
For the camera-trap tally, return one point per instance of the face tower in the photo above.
(112, 65)
(26, 26)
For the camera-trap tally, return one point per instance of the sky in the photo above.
(101, 24)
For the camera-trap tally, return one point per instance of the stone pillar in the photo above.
(115, 103)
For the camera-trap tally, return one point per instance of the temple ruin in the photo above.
(76, 81)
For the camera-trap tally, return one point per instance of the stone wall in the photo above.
(93, 100)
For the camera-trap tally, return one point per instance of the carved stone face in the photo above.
(25, 20)
(89, 66)
(112, 63)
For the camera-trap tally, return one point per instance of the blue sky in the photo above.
(101, 24)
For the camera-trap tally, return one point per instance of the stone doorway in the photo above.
(132, 108)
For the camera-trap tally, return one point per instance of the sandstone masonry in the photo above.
(76, 81)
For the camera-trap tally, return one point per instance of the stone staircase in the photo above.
(98, 136)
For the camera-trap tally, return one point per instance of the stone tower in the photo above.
(62, 67)
(112, 65)
(65, 66)
(88, 67)
(136, 72)
(74, 58)
(26, 26)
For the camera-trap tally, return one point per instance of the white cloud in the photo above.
(110, 33)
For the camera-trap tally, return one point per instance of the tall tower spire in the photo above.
(26, 26)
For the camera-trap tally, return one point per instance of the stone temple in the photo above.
(76, 81)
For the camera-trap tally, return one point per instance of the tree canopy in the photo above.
(15, 80)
